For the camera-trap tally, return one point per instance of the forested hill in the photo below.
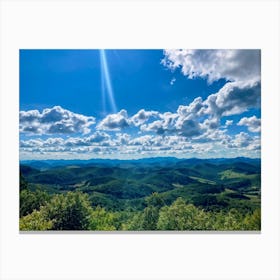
(128, 186)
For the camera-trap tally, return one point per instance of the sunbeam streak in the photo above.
(104, 109)
(105, 75)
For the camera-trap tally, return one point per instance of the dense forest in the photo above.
(140, 195)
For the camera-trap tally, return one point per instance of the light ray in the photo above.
(104, 110)
(107, 80)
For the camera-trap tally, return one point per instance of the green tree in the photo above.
(253, 221)
(150, 215)
(30, 201)
(35, 221)
(233, 220)
(150, 218)
(70, 211)
(230, 220)
(134, 222)
(182, 216)
(22, 182)
(100, 219)
(155, 200)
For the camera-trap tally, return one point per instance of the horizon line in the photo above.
(130, 159)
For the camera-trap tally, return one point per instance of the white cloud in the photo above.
(98, 137)
(122, 139)
(193, 110)
(228, 123)
(214, 143)
(31, 143)
(54, 120)
(142, 116)
(233, 98)
(193, 130)
(173, 80)
(188, 127)
(165, 124)
(156, 126)
(53, 141)
(244, 141)
(116, 121)
(211, 124)
(168, 120)
(241, 69)
(232, 65)
(253, 123)
(29, 116)
(185, 122)
(145, 140)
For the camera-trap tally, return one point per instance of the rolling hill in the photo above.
(119, 184)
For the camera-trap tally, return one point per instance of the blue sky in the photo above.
(139, 103)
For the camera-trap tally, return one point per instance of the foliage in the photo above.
(22, 182)
(70, 211)
(232, 220)
(253, 221)
(100, 219)
(150, 218)
(155, 200)
(182, 216)
(35, 221)
(134, 222)
(30, 201)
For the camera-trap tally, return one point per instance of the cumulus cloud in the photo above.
(228, 122)
(253, 123)
(54, 120)
(193, 129)
(240, 68)
(168, 120)
(184, 122)
(156, 126)
(116, 121)
(232, 65)
(145, 140)
(193, 110)
(120, 144)
(244, 140)
(233, 98)
(165, 124)
(31, 143)
(142, 116)
(211, 124)
(122, 139)
(188, 128)
(97, 138)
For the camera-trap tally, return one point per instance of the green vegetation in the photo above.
(140, 195)
(30, 201)
(35, 221)
(70, 211)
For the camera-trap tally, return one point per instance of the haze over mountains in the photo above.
(49, 163)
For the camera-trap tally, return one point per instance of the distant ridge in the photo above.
(46, 164)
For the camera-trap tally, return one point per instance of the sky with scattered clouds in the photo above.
(129, 104)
